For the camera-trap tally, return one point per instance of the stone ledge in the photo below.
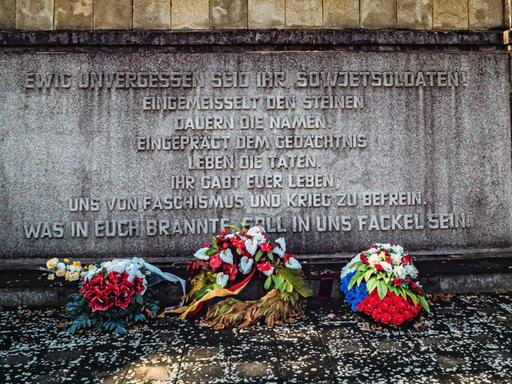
(253, 38)
(454, 273)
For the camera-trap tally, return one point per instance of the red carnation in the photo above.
(397, 319)
(407, 259)
(364, 259)
(397, 282)
(393, 309)
(378, 267)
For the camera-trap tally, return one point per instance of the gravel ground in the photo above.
(467, 339)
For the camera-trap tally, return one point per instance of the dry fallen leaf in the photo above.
(444, 297)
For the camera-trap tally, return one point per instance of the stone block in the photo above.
(267, 14)
(304, 13)
(7, 14)
(151, 14)
(73, 14)
(84, 141)
(34, 15)
(486, 14)
(113, 14)
(188, 14)
(414, 14)
(450, 14)
(341, 13)
(228, 14)
(378, 13)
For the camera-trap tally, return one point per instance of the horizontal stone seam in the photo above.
(254, 38)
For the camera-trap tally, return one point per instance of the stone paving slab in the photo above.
(467, 340)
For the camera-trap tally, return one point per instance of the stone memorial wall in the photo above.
(119, 153)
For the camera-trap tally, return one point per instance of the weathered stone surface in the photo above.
(228, 14)
(73, 14)
(378, 13)
(113, 14)
(7, 14)
(486, 14)
(412, 146)
(451, 14)
(266, 14)
(415, 14)
(341, 13)
(34, 15)
(188, 14)
(151, 14)
(304, 13)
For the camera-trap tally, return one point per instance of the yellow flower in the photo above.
(66, 261)
(52, 263)
(72, 276)
(51, 276)
(60, 273)
(76, 264)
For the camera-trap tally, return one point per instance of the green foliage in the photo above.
(382, 289)
(292, 280)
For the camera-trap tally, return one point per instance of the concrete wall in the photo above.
(34, 15)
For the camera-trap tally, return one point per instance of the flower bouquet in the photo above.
(225, 266)
(113, 294)
(382, 283)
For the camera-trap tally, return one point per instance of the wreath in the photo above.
(226, 265)
(111, 295)
(381, 282)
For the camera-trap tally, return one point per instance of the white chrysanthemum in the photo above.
(396, 258)
(399, 271)
(397, 249)
(386, 266)
(374, 259)
(411, 271)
